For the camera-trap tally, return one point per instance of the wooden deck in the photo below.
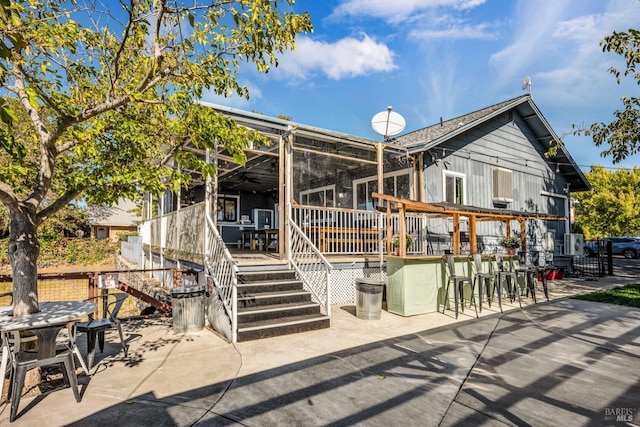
(246, 258)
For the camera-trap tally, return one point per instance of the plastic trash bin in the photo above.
(187, 308)
(369, 298)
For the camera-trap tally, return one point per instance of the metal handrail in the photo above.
(223, 271)
(305, 258)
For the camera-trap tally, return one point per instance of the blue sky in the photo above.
(444, 58)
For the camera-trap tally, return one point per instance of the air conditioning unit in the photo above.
(574, 244)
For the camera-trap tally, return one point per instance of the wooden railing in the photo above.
(350, 231)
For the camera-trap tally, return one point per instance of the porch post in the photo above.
(288, 191)
(380, 159)
(473, 240)
(283, 206)
(178, 223)
(389, 227)
(163, 233)
(402, 229)
(214, 198)
(523, 234)
(456, 234)
(207, 206)
(420, 177)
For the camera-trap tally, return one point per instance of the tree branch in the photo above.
(58, 204)
(8, 197)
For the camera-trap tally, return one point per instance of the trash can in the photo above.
(187, 307)
(369, 298)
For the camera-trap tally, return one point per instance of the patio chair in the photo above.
(95, 328)
(47, 354)
(458, 283)
(482, 279)
(505, 271)
(524, 267)
(540, 266)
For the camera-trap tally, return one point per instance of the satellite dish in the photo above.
(526, 84)
(388, 123)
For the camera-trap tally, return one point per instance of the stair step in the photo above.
(267, 275)
(277, 327)
(275, 311)
(270, 286)
(270, 298)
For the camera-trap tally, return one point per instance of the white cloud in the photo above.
(348, 57)
(455, 29)
(568, 49)
(397, 11)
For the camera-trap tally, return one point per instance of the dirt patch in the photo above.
(105, 264)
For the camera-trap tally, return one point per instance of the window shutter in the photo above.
(502, 185)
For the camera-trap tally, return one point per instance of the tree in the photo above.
(110, 100)
(611, 209)
(623, 134)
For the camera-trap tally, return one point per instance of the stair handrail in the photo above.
(304, 257)
(223, 271)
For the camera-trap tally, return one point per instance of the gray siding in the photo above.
(505, 142)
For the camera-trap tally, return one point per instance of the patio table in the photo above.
(51, 313)
(270, 236)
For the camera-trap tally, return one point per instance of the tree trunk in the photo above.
(23, 252)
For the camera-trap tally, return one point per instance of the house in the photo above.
(307, 202)
(112, 221)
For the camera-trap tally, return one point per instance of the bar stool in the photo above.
(507, 272)
(540, 266)
(523, 266)
(482, 278)
(458, 283)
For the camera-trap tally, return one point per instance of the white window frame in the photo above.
(445, 174)
(374, 178)
(320, 190)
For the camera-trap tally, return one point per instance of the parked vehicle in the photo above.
(629, 247)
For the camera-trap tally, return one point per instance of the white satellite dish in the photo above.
(388, 123)
(526, 84)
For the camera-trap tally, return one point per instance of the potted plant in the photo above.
(510, 243)
(395, 241)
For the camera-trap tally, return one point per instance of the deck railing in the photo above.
(351, 231)
(222, 271)
(311, 266)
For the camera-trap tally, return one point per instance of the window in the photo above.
(454, 187)
(502, 185)
(395, 184)
(321, 196)
(227, 209)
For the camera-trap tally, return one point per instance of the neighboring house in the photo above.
(307, 200)
(112, 221)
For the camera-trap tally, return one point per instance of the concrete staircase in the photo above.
(273, 303)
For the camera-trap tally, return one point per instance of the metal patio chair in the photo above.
(95, 328)
(48, 354)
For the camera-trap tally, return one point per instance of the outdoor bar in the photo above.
(417, 284)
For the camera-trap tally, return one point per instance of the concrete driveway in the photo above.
(566, 362)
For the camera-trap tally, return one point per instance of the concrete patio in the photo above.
(565, 362)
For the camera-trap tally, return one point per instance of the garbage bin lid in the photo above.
(370, 281)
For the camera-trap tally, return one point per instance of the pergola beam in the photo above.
(439, 211)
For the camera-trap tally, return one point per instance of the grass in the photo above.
(628, 295)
